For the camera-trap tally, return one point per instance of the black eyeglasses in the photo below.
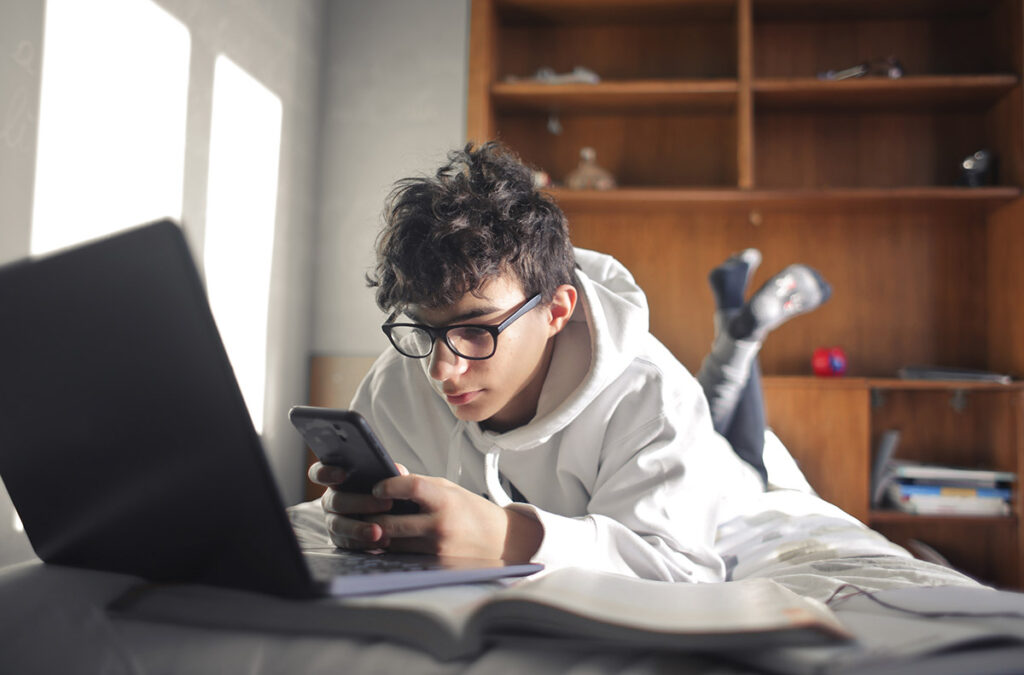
(470, 341)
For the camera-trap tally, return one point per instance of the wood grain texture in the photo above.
(480, 124)
(712, 119)
(637, 47)
(892, 304)
(984, 548)
(641, 148)
(929, 92)
(972, 429)
(641, 200)
(629, 96)
(928, 43)
(745, 102)
(825, 425)
(1005, 287)
(332, 384)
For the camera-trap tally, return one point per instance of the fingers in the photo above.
(328, 476)
(429, 492)
(415, 545)
(351, 503)
(394, 528)
(354, 534)
(401, 469)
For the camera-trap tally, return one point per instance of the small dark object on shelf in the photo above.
(978, 169)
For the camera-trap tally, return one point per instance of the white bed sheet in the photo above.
(53, 619)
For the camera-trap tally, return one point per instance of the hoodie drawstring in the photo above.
(493, 480)
(453, 471)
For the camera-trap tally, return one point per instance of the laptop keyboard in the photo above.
(341, 562)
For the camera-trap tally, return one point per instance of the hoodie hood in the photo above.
(605, 334)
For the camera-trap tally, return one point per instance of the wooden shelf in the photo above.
(941, 385)
(604, 10)
(873, 9)
(890, 384)
(711, 118)
(734, 198)
(914, 92)
(892, 516)
(615, 95)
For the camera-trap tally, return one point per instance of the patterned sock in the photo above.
(793, 291)
(729, 280)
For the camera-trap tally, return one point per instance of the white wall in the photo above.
(372, 90)
(394, 104)
(21, 37)
(279, 42)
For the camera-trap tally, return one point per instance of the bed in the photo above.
(54, 619)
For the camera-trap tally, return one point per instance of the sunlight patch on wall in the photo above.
(245, 148)
(112, 118)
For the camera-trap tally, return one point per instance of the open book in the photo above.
(571, 607)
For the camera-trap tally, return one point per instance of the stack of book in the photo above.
(928, 489)
(941, 490)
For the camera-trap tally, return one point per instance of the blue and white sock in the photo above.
(794, 291)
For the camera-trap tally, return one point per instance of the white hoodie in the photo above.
(620, 465)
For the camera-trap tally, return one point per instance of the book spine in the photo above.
(938, 473)
(911, 489)
(961, 506)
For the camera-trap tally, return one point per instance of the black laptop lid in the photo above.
(125, 443)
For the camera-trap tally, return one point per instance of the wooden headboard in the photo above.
(332, 384)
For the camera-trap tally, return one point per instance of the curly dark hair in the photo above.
(479, 217)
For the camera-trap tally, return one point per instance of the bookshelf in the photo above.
(720, 135)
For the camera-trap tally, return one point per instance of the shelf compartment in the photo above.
(871, 148)
(632, 95)
(607, 10)
(802, 39)
(985, 548)
(654, 39)
(937, 426)
(653, 148)
(913, 92)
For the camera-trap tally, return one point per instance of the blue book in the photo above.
(909, 489)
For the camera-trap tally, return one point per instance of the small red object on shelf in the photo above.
(828, 361)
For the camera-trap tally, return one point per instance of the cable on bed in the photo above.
(870, 595)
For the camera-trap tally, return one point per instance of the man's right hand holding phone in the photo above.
(342, 510)
(452, 520)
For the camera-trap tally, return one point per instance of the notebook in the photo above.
(126, 445)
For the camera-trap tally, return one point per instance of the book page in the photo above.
(750, 605)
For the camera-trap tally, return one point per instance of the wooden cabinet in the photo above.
(712, 118)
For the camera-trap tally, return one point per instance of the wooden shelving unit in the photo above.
(712, 117)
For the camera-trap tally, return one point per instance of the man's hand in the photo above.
(453, 522)
(339, 507)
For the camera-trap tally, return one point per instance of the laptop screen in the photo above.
(125, 443)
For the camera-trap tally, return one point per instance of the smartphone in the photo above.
(343, 438)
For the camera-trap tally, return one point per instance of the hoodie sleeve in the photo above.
(655, 494)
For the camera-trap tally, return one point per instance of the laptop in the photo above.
(126, 445)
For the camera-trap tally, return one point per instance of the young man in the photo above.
(522, 366)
